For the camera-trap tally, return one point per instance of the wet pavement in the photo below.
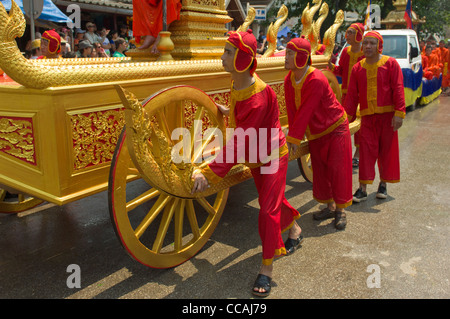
(393, 248)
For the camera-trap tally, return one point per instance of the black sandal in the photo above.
(262, 281)
(291, 245)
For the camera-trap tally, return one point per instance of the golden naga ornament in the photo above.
(41, 75)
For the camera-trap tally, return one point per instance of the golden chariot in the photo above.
(70, 128)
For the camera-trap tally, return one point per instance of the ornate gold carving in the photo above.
(251, 14)
(329, 37)
(193, 40)
(315, 33)
(273, 30)
(94, 136)
(278, 88)
(308, 16)
(17, 138)
(153, 149)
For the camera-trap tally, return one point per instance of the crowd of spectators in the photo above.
(90, 43)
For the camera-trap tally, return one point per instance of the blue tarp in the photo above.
(431, 86)
(411, 79)
(50, 11)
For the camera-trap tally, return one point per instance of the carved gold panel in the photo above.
(94, 136)
(17, 138)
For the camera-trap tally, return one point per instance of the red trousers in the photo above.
(276, 214)
(331, 160)
(378, 142)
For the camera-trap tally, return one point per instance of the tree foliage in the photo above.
(436, 13)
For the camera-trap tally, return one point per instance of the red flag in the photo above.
(408, 16)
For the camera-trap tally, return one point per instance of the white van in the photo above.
(403, 45)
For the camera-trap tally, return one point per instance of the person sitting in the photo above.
(148, 20)
(431, 67)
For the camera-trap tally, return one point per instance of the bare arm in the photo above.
(225, 110)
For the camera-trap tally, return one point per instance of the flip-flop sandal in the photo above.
(291, 245)
(262, 281)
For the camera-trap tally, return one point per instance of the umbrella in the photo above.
(50, 12)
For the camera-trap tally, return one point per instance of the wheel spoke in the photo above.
(163, 125)
(207, 206)
(132, 204)
(195, 131)
(151, 215)
(164, 225)
(179, 216)
(190, 212)
(196, 154)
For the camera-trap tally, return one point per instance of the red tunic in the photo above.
(148, 16)
(313, 109)
(346, 62)
(320, 112)
(378, 88)
(256, 108)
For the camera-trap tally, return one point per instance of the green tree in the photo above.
(436, 13)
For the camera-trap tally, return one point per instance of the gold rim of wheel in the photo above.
(157, 228)
(18, 203)
(304, 163)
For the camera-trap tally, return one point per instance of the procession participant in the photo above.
(148, 20)
(376, 83)
(254, 106)
(50, 45)
(313, 109)
(349, 57)
(430, 64)
(444, 62)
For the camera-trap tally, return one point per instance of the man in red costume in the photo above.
(50, 45)
(349, 57)
(148, 19)
(313, 109)
(376, 83)
(254, 106)
(444, 63)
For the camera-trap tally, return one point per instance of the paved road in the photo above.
(393, 248)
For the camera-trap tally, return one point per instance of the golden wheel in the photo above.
(16, 203)
(334, 84)
(304, 164)
(160, 226)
